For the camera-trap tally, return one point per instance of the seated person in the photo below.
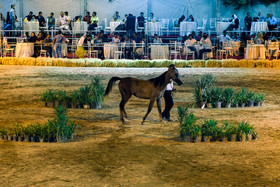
(33, 38)
(63, 22)
(181, 19)
(51, 21)
(116, 16)
(93, 21)
(199, 36)
(190, 19)
(260, 18)
(116, 38)
(102, 36)
(40, 37)
(48, 45)
(234, 23)
(141, 20)
(207, 45)
(152, 18)
(259, 39)
(272, 22)
(34, 18)
(136, 38)
(26, 37)
(189, 44)
(128, 48)
(41, 19)
(224, 38)
(235, 37)
(87, 18)
(125, 18)
(157, 40)
(97, 43)
(28, 17)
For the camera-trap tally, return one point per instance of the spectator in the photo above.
(29, 16)
(260, 18)
(259, 39)
(157, 40)
(190, 19)
(41, 19)
(189, 44)
(141, 20)
(136, 38)
(181, 19)
(116, 16)
(224, 37)
(2, 18)
(48, 45)
(34, 18)
(63, 22)
(102, 36)
(26, 37)
(199, 36)
(207, 45)
(58, 41)
(234, 23)
(152, 18)
(13, 17)
(128, 47)
(93, 21)
(33, 38)
(116, 38)
(51, 21)
(248, 21)
(87, 18)
(272, 22)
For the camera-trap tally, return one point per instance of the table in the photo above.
(114, 25)
(256, 51)
(221, 26)
(235, 45)
(187, 27)
(153, 28)
(64, 50)
(80, 27)
(159, 52)
(273, 48)
(31, 27)
(109, 50)
(24, 49)
(259, 27)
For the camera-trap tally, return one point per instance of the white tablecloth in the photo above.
(153, 28)
(159, 52)
(24, 49)
(259, 27)
(109, 50)
(255, 52)
(114, 25)
(235, 45)
(31, 27)
(187, 27)
(221, 26)
(80, 27)
(64, 51)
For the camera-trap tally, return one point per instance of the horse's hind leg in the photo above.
(159, 108)
(125, 98)
(152, 101)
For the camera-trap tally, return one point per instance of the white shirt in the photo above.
(169, 86)
(208, 43)
(223, 38)
(116, 40)
(190, 42)
(63, 20)
(158, 41)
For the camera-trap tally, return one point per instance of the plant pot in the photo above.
(254, 136)
(186, 138)
(10, 138)
(15, 138)
(33, 139)
(21, 138)
(248, 137)
(26, 138)
(223, 139)
(251, 103)
(51, 104)
(209, 105)
(61, 139)
(203, 105)
(97, 105)
(213, 139)
(241, 137)
(219, 104)
(243, 105)
(236, 105)
(205, 139)
(5, 137)
(56, 103)
(258, 104)
(228, 105)
(231, 138)
(196, 139)
(86, 106)
(262, 102)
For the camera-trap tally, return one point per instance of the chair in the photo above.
(176, 51)
(107, 28)
(165, 26)
(7, 50)
(229, 50)
(74, 46)
(201, 24)
(206, 55)
(189, 53)
(119, 53)
(213, 23)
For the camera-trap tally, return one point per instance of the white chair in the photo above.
(7, 50)
(165, 26)
(189, 53)
(74, 46)
(213, 23)
(228, 48)
(176, 52)
(120, 52)
(107, 28)
(91, 52)
(201, 24)
(43, 52)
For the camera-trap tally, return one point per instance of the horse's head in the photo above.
(173, 74)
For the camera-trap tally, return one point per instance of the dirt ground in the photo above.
(105, 153)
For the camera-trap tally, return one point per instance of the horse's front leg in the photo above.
(152, 101)
(159, 108)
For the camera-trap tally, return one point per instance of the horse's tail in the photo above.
(111, 83)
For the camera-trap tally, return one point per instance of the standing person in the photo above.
(48, 45)
(51, 21)
(63, 22)
(13, 17)
(87, 18)
(41, 19)
(57, 42)
(141, 20)
(248, 21)
(168, 98)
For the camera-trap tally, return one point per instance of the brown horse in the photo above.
(152, 89)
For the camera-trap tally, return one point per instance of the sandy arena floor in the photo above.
(105, 153)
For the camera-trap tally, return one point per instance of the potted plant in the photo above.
(209, 129)
(227, 95)
(221, 134)
(61, 98)
(186, 127)
(243, 96)
(259, 99)
(216, 96)
(49, 98)
(75, 99)
(50, 131)
(237, 99)
(3, 133)
(195, 132)
(244, 131)
(230, 132)
(182, 113)
(84, 96)
(17, 132)
(10, 133)
(97, 91)
(41, 131)
(250, 99)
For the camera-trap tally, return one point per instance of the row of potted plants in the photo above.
(207, 94)
(88, 96)
(209, 130)
(58, 129)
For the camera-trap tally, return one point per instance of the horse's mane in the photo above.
(158, 81)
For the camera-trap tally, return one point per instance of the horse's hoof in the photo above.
(142, 123)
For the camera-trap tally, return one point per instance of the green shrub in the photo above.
(244, 128)
(97, 90)
(205, 82)
(209, 128)
(228, 95)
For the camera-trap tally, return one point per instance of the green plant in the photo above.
(244, 128)
(227, 95)
(214, 94)
(41, 130)
(205, 82)
(243, 94)
(250, 96)
(62, 96)
(182, 112)
(229, 129)
(18, 129)
(195, 130)
(259, 97)
(3, 131)
(237, 98)
(30, 130)
(75, 97)
(188, 122)
(97, 90)
(209, 128)
(48, 96)
(84, 95)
